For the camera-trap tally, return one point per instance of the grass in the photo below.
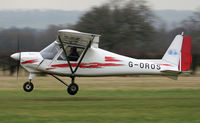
(113, 99)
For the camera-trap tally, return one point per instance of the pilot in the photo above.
(73, 56)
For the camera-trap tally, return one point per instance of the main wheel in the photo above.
(72, 89)
(28, 86)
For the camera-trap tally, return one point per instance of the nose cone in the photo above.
(15, 56)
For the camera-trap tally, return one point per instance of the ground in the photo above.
(107, 99)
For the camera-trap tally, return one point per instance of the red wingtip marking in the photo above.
(29, 61)
(111, 59)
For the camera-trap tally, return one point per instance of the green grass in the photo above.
(101, 106)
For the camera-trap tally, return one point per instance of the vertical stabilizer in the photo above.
(173, 53)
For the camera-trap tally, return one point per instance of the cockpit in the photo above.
(54, 50)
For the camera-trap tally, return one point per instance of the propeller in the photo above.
(18, 51)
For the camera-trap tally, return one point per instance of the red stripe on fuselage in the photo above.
(165, 64)
(29, 61)
(49, 68)
(111, 59)
(88, 65)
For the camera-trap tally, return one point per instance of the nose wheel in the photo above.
(28, 86)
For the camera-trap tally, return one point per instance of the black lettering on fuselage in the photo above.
(153, 66)
(141, 65)
(158, 67)
(146, 65)
(130, 64)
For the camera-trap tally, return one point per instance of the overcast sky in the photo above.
(87, 4)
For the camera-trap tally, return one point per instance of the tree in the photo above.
(127, 24)
(191, 27)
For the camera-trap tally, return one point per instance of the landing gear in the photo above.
(72, 89)
(28, 86)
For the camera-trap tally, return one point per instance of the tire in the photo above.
(28, 86)
(72, 89)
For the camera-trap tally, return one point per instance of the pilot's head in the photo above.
(73, 49)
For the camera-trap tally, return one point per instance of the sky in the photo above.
(87, 4)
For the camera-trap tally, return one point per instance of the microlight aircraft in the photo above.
(76, 54)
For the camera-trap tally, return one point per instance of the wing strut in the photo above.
(86, 49)
(65, 54)
(84, 41)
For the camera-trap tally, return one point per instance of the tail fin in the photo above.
(179, 53)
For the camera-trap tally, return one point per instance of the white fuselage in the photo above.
(96, 62)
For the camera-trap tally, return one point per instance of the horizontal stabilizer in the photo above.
(171, 72)
(173, 77)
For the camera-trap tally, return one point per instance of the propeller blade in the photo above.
(18, 65)
(18, 50)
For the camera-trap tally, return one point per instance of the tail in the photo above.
(179, 53)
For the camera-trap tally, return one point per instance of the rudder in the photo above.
(186, 57)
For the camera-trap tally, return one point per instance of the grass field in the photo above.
(110, 99)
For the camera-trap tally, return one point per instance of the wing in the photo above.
(76, 38)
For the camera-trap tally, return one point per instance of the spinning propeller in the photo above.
(18, 51)
(17, 56)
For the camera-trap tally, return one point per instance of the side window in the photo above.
(73, 53)
(50, 51)
(62, 56)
